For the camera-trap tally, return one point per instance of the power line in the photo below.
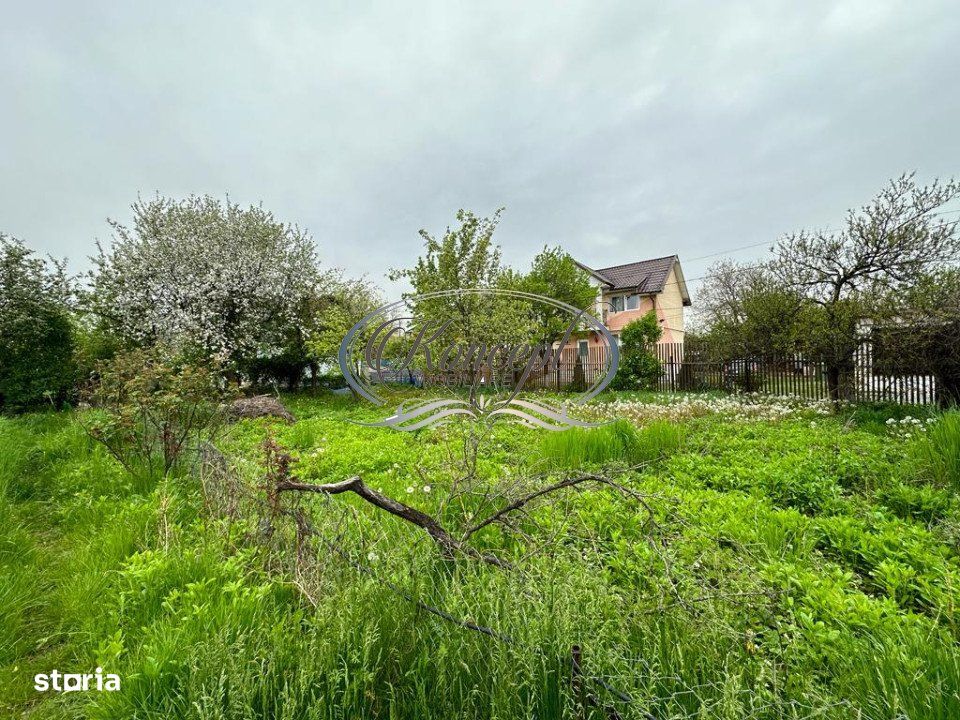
(773, 242)
(746, 268)
(731, 250)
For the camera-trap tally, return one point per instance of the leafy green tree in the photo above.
(555, 274)
(346, 302)
(312, 343)
(465, 258)
(923, 335)
(639, 367)
(36, 332)
(748, 313)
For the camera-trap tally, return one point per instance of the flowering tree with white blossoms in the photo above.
(208, 277)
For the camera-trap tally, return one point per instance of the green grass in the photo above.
(792, 569)
(616, 443)
(938, 452)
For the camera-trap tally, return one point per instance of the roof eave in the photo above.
(593, 273)
(681, 282)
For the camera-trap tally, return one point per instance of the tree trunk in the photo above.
(948, 390)
(840, 382)
(833, 383)
(579, 378)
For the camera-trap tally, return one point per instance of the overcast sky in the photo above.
(620, 131)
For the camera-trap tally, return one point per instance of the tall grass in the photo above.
(19, 600)
(201, 622)
(939, 450)
(620, 442)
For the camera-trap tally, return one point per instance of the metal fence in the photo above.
(688, 368)
(576, 370)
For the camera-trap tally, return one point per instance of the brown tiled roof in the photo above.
(645, 276)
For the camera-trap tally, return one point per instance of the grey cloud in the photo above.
(619, 130)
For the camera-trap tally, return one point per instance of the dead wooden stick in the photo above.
(447, 542)
(520, 502)
(428, 523)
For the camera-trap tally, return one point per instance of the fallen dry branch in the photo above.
(280, 480)
(447, 542)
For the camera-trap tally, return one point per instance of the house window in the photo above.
(616, 303)
(583, 348)
(633, 302)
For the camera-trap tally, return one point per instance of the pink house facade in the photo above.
(628, 292)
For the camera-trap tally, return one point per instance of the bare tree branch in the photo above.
(568, 482)
(443, 538)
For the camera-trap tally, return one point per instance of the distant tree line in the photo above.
(196, 279)
(200, 280)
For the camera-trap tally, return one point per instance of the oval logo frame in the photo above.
(387, 321)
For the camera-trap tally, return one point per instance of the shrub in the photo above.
(94, 344)
(36, 336)
(285, 369)
(639, 367)
(619, 442)
(938, 450)
(151, 411)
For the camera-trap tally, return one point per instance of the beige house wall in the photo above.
(668, 306)
(670, 309)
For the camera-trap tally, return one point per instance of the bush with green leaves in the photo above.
(36, 334)
(639, 367)
(151, 412)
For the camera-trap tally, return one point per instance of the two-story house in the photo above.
(628, 292)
